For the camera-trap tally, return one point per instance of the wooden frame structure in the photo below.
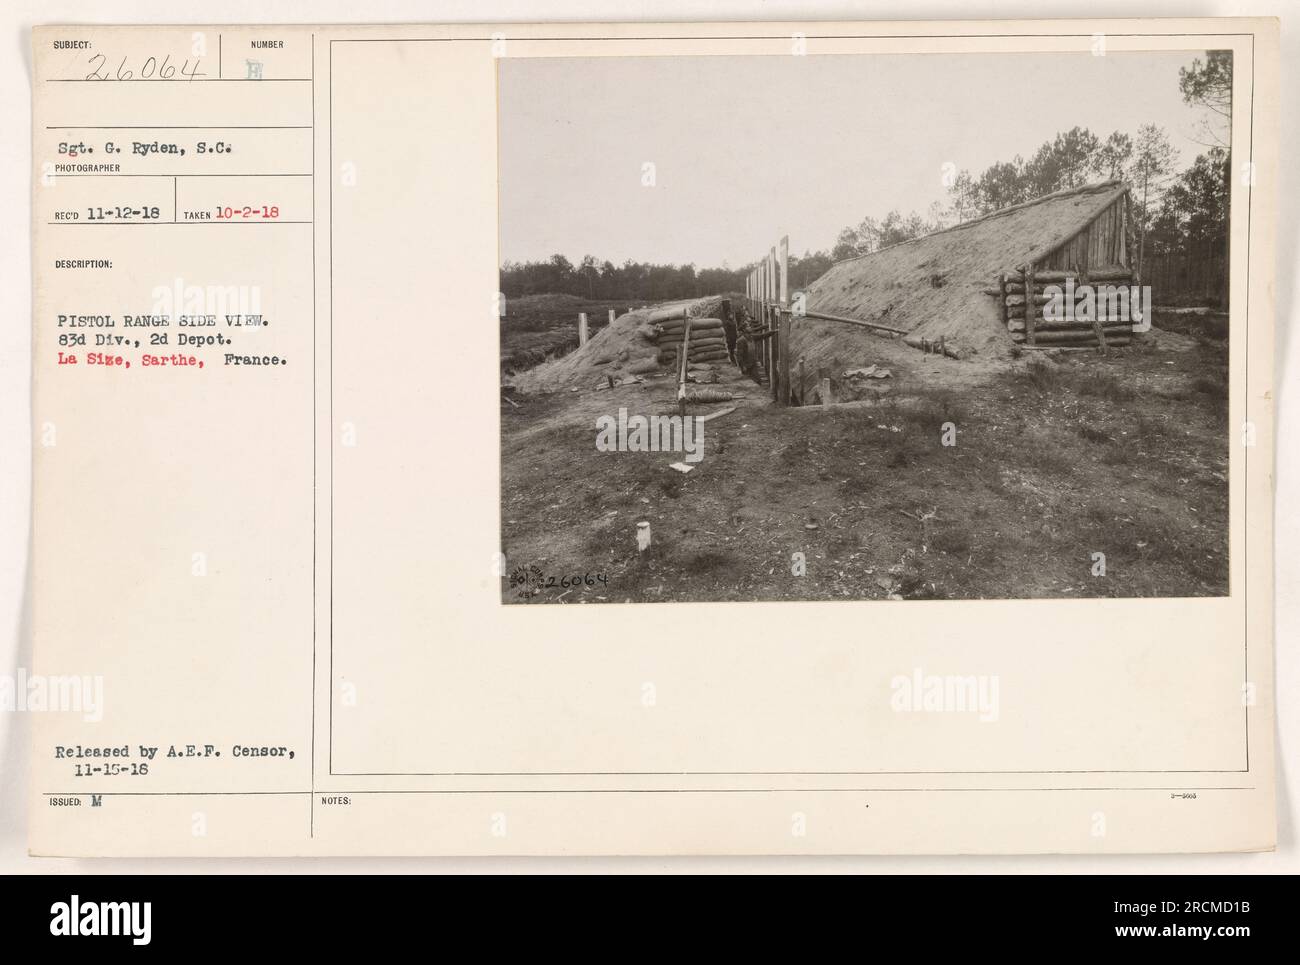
(1100, 253)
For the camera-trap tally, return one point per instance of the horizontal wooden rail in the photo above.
(848, 321)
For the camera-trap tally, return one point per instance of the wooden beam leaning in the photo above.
(876, 326)
(1096, 324)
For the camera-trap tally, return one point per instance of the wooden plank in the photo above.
(1042, 277)
(774, 349)
(1096, 326)
(1074, 335)
(1030, 310)
(1115, 342)
(715, 415)
(1041, 327)
(1098, 278)
(783, 355)
(1046, 254)
(1130, 240)
(768, 345)
(785, 271)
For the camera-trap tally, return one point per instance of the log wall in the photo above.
(1100, 254)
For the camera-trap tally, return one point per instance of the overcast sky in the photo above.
(749, 148)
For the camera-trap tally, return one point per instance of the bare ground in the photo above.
(1058, 456)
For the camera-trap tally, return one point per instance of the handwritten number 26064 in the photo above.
(151, 69)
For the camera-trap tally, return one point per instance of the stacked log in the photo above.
(1022, 294)
(1080, 337)
(1017, 325)
(708, 340)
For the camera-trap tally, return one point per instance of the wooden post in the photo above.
(824, 383)
(785, 271)
(783, 356)
(801, 382)
(1136, 279)
(774, 324)
(1128, 232)
(1030, 308)
(1101, 335)
(765, 285)
(1097, 328)
(774, 350)
(1002, 296)
(682, 363)
(582, 328)
(772, 375)
(611, 316)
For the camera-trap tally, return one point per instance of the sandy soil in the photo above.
(1057, 456)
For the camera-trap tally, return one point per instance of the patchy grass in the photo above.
(538, 328)
(1212, 326)
(1054, 461)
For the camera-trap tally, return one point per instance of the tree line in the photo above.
(1177, 214)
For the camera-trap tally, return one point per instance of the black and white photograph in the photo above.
(865, 327)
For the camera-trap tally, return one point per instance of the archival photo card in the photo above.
(899, 395)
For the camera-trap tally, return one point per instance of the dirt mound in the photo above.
(629, 346)
(933, 287)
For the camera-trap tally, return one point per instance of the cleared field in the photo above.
(538, 327)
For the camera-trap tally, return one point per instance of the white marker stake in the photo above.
(582, 328)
